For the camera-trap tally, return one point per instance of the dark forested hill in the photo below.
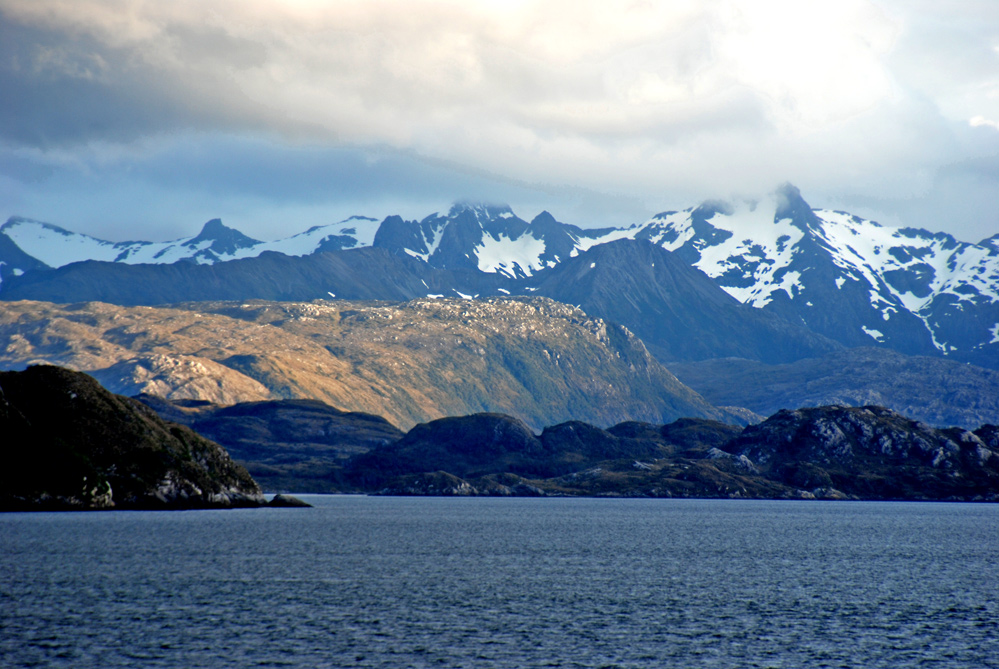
(70, 444)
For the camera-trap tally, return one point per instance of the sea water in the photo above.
(451, 582)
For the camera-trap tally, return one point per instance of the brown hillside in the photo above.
(533, 358)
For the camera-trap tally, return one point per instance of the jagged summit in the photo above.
(212, 230)
(991, 243)
(545, 222)
(221, 240)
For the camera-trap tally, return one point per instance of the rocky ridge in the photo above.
(822, 453)
(872, 453)
(831, 452)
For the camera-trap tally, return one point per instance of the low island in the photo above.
(70, 444)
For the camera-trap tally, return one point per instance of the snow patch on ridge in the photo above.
(758, 250)
(57, 247)
(945, 266)
(876, 335)
(359, 230)
(586, 243)
(502, 254)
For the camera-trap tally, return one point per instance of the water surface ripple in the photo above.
(438, 582)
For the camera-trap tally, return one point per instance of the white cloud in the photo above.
(980, 121)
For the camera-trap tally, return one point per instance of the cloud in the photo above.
(662, 103)
(406, 73)
(981, 121)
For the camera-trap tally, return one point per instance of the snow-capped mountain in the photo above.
(490, 239)
(26, 244)
(844, 277)
(848, 278)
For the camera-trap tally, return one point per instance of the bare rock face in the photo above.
(433, 484)
(410, 362)
(70, 444)
(180, 378)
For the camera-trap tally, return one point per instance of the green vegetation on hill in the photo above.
(70, 444)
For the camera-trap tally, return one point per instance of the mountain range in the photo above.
(830, 452)
(71, 444)
(759, 306)
(837, 275)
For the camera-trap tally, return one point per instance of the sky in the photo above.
(135, 119)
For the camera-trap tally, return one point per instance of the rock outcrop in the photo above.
(872, 453)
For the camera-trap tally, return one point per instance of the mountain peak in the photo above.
(223, 239)
(707, 209)
(14, 220)
(213, 229)
(788, 190)
(991, 243)
(544, 221)
(790, 204)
